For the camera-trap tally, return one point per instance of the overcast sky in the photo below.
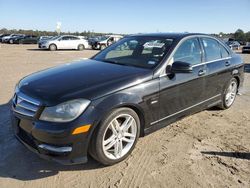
(127, 16)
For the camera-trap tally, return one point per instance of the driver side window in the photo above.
(189, 51)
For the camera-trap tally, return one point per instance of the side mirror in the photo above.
(181, 67)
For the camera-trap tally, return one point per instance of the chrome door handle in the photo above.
(202, 72)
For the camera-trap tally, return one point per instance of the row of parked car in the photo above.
(80, 43)
(62, 41)
(18, 39)
(235, 45)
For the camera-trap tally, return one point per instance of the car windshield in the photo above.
(145, 52)
(102, 38)
(56, 37)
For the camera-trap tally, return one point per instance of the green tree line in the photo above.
(49, 33)
(238, 35)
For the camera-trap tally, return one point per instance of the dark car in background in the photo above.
(140, 84)
(246, 49)
(27, 39)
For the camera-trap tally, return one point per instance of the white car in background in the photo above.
(64, 42)
(102, 42)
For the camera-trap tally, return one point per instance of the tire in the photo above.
(11, 41)
(103, 46)
(52, 47)
(229, 95)
(107, 138)
(81, 47)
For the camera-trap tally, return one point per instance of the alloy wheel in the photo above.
(231, 93)
(119, 136)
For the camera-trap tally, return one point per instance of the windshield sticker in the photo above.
(153, 45)
(151, 62)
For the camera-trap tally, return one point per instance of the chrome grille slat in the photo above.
(28, 99)
(28, 106)
(25, 105)
(24, 111)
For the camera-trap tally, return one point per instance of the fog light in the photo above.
(55, 149)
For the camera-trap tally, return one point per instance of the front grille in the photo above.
(25, 105)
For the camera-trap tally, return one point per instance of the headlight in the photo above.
(65, 112)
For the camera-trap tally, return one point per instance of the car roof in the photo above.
(69, 36)
(114, 35)
(169, 35)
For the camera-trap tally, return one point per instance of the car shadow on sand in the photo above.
(36, 49)
(238, 155)
(18, 162)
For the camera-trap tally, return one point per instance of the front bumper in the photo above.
(53, 141)
(42, 46)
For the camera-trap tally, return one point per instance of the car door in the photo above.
(63, 42)
(28, 40)
(74, 42)
(181, 92)
(218, 63)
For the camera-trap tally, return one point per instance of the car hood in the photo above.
(87, 79)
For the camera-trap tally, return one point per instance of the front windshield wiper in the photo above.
(119, 63)
(115, 62)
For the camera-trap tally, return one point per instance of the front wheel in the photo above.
(229, 94)
(52, 47)
(116, 137)
(103, 46)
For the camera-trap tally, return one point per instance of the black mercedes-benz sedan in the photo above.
(101, 106)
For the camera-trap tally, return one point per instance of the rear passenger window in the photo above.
(189, 51)
(74, 38)
(65, 38)
(212, 49)
(224, 52)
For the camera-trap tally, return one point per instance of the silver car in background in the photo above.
(64, 42)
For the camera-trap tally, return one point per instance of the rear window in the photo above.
(212, 49)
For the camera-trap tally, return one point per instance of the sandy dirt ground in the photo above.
(208, 149)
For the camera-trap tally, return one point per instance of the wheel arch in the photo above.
(132, 106)
(238, 80)
(139, 112)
